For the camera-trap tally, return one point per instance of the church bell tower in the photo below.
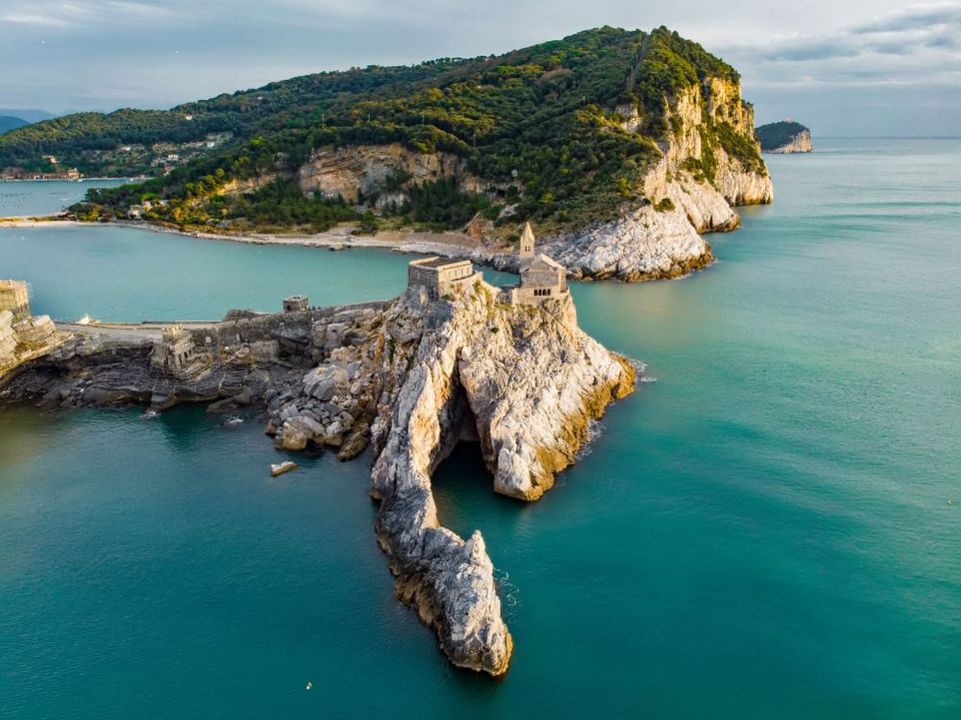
(527, 243)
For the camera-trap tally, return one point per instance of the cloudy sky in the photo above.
(844, 67)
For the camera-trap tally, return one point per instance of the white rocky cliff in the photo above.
(692, 189)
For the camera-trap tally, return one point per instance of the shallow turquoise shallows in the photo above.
(772, 529)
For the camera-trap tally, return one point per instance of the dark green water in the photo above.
(772, 529)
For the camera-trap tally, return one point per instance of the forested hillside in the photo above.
(562, 131)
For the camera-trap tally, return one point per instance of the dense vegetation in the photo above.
(544, 126)
(777, 134)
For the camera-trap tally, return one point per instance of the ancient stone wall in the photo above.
(15, 297)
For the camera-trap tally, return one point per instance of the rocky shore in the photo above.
(409, 378)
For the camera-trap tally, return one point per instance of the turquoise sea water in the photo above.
(772, 529)
(44, 197)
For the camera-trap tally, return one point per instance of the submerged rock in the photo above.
(281, 468)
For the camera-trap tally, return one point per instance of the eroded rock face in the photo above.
(364, 170)
(648, 243)
(411, 378)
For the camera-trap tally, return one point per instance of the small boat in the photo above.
(282, 468)
(309, 684)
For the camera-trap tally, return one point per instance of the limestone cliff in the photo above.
(706, 168)
(381, 173)
(412, 378)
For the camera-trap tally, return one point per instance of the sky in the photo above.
(842, 67)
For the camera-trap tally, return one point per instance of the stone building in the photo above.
(15, 297)
(541, 277)
(178, 354)
(296, 303)
(441, 276)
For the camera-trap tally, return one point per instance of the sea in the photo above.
(769, 528)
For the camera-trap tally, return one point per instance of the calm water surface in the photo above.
(43, 197)
(772, 529)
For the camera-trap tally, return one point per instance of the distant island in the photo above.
(784, 137)
(623, 146)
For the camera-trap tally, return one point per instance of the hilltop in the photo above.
(579, 135)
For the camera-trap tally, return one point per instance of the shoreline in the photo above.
(406, 241)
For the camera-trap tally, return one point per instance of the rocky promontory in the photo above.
(409, 378)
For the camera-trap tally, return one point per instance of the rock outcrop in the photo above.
(411, 378)
(379, 173)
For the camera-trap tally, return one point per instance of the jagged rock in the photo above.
(326, 381)
(291, 436)
(529, 383)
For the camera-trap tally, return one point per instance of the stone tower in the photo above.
(15, 297)
(527, 244)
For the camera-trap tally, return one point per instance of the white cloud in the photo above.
(44, 20)
(918, 44)
(92, 13)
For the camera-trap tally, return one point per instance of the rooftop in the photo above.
(438, 262)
